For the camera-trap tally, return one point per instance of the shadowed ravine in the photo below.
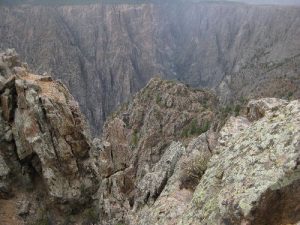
(106, 53)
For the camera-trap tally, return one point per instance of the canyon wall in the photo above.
(106, 53)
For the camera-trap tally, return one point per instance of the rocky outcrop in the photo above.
(107, 52)
(45, 141)
(254, 177)
(247, 170)
(139, 155)
(177, 194)
(250, 173)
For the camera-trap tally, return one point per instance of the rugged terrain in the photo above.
(105, 52)
(247, 173)
(44, 147)
(164, 158)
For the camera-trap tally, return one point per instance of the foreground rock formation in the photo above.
(105, 53)
(248, 173)
(45, 140)
(254, 176)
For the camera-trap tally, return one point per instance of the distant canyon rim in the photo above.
(105, 53)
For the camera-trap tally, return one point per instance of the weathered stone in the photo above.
(6, 104)
(20, 71)
(23, 208)
(234, 125)
(255, 176)
(137, 147)
(259, 108)
(153, 183)
(43, 132)
(4, 169)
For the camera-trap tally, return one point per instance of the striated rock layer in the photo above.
(106, 52)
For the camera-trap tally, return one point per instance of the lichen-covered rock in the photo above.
(258, 108)
(138, 159)
(255, 177)
(153, 182)
(175, 197)
(43, 136)
(233, 126)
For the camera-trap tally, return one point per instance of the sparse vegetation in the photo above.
(290, 95)
(193, 128)
(134, 138)
(42, 218)
(237, 110)
(192, 171)
(232, 109)
(158, 99)
(90, 216)
(225, 111)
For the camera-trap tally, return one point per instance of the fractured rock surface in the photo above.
(44, 137)
(254, 178)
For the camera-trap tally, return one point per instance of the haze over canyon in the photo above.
(105, 52)
(140, 112)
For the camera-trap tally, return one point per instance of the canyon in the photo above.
(182, 113)
(105, 53)
(162, 159)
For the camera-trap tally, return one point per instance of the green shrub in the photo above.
(290, 95)
(134, 139)
(237, 110)
(193, 129)
(90, 216)
(158, 99)
(192, 171)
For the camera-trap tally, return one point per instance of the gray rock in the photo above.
(43, 132)
(255, 177)
(154, 182)
(23, 208)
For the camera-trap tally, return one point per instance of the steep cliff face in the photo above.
(105, 53)
(45, 163)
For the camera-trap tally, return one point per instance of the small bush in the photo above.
(290, 95)
(237, 110)
(191, 171)
(90, 216)
(158, 99)
(193, 129)
(134, 139)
